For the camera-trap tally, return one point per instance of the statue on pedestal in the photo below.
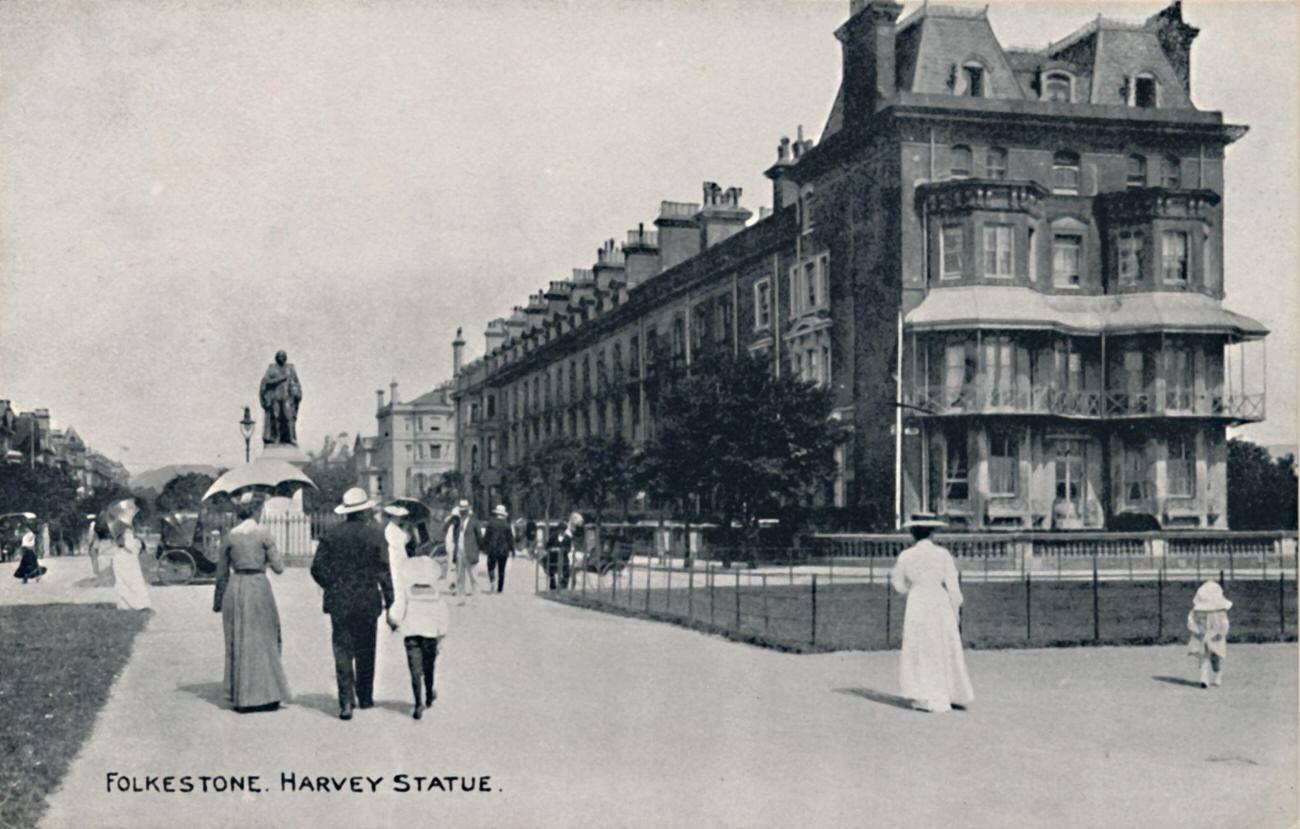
(280, 395)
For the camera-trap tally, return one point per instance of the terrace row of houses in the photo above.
(29, 438)
(1006, 265)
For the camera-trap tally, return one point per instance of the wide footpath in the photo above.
(585, 719)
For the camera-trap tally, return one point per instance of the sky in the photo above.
(187, 187)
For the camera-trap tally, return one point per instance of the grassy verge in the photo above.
(996, 614)
(57, 663)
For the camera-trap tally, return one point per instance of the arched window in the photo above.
(995, 163)
(959, 160)
(1136, 174)
(1171, 173)
(1058, 86)
(974, 80)
(1065, 172)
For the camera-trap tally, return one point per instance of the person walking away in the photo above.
(421, 614)
(468, 537)
(253, 677)
(498, 543)
(29, 567)
(396, 535)
(931, 666)
(1208, 623)
(530, 537)
(351, 566)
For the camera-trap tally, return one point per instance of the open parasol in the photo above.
(263, 473)
(416, 510)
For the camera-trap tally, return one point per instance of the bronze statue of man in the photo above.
(280, 395)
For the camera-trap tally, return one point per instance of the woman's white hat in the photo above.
(924, 519)
(463, 506)
(354, 500)
(29, 540)
(1209, 596)
(500, 509)
(396, 511)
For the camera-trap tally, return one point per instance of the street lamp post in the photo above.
(246, 429)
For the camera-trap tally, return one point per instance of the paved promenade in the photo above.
(586, 719)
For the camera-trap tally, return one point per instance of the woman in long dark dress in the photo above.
(254, 676)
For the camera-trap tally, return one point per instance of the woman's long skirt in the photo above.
(931, 667)
(128, 582)
(254, 675)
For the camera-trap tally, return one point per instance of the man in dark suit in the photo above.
(498, 543)
(351, 564)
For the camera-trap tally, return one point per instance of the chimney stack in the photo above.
(679, 232)
(721, 216)
(379, 400)
(392, 393)
(640, 255)
(1175, 37)
(869, 77)
(457, 352)
(494, 335)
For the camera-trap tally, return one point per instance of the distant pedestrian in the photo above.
(931, 667)
(1208, 623)
(559, 544)
(530, 536)
(498, 543)
(351, 565)
(29, 567)
(119, 544)
(250, 621)
(421, 614)
(465, 538)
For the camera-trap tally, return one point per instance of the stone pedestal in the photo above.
(287, 452)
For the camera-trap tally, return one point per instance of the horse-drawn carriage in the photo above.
(186, 551)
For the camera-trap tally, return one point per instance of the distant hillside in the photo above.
(156, 479)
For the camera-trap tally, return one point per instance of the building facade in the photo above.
(415, 444)
(1006, 265)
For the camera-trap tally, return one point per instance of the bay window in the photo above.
(1173, 255)
(951, 251)
(999, 254)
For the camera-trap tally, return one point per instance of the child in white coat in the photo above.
(1208, 622)
(420, 613)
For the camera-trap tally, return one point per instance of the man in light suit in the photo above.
(468, 540)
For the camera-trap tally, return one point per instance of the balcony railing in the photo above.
(983, 398)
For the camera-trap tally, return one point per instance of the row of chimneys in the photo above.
(684, 229)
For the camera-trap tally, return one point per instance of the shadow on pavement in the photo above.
(210, 692)
(878, 696)
(328, 704)
(1178, 680)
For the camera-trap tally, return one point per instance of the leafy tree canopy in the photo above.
(1261, 490)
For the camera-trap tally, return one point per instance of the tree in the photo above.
(735, 437)
(446, 491)
(49, 492)
(184, 492)
(1261, 490)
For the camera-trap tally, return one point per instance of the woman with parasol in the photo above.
(116, 542)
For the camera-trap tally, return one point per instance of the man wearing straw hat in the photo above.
(351, 565)
(498, 543)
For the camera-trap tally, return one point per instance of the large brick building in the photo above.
(1007, 266)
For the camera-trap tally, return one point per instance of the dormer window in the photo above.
(1171, 173)
(1058, 86)
(1065, 172)
(1144, 92)
(973, 74)
(1137, 172)
(959, 162)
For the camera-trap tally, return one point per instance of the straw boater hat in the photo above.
(500, 510)
(396, 511)
(924, 519)
(354, 500)
(1209, 596)
(463, 507)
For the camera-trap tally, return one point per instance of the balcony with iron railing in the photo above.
(989, 398)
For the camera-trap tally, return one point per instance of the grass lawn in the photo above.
(57, 664)
(995, 614)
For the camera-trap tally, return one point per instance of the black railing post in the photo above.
(814, 609)
(1232, 570)
(1096, 614)
(1281, 603)
(1029, 607)
(765, 616)
(668, 591)
(1160, 604)
(737, 600)
(1222, 583)
(690, 594)
(889, 590)
(709, 576)
(649, 571)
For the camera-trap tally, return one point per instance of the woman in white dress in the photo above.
(931, 667)
(119, 544)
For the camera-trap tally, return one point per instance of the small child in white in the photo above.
(1208, 622)
(421, 614)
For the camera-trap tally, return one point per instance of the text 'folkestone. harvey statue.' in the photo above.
(280, 395)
